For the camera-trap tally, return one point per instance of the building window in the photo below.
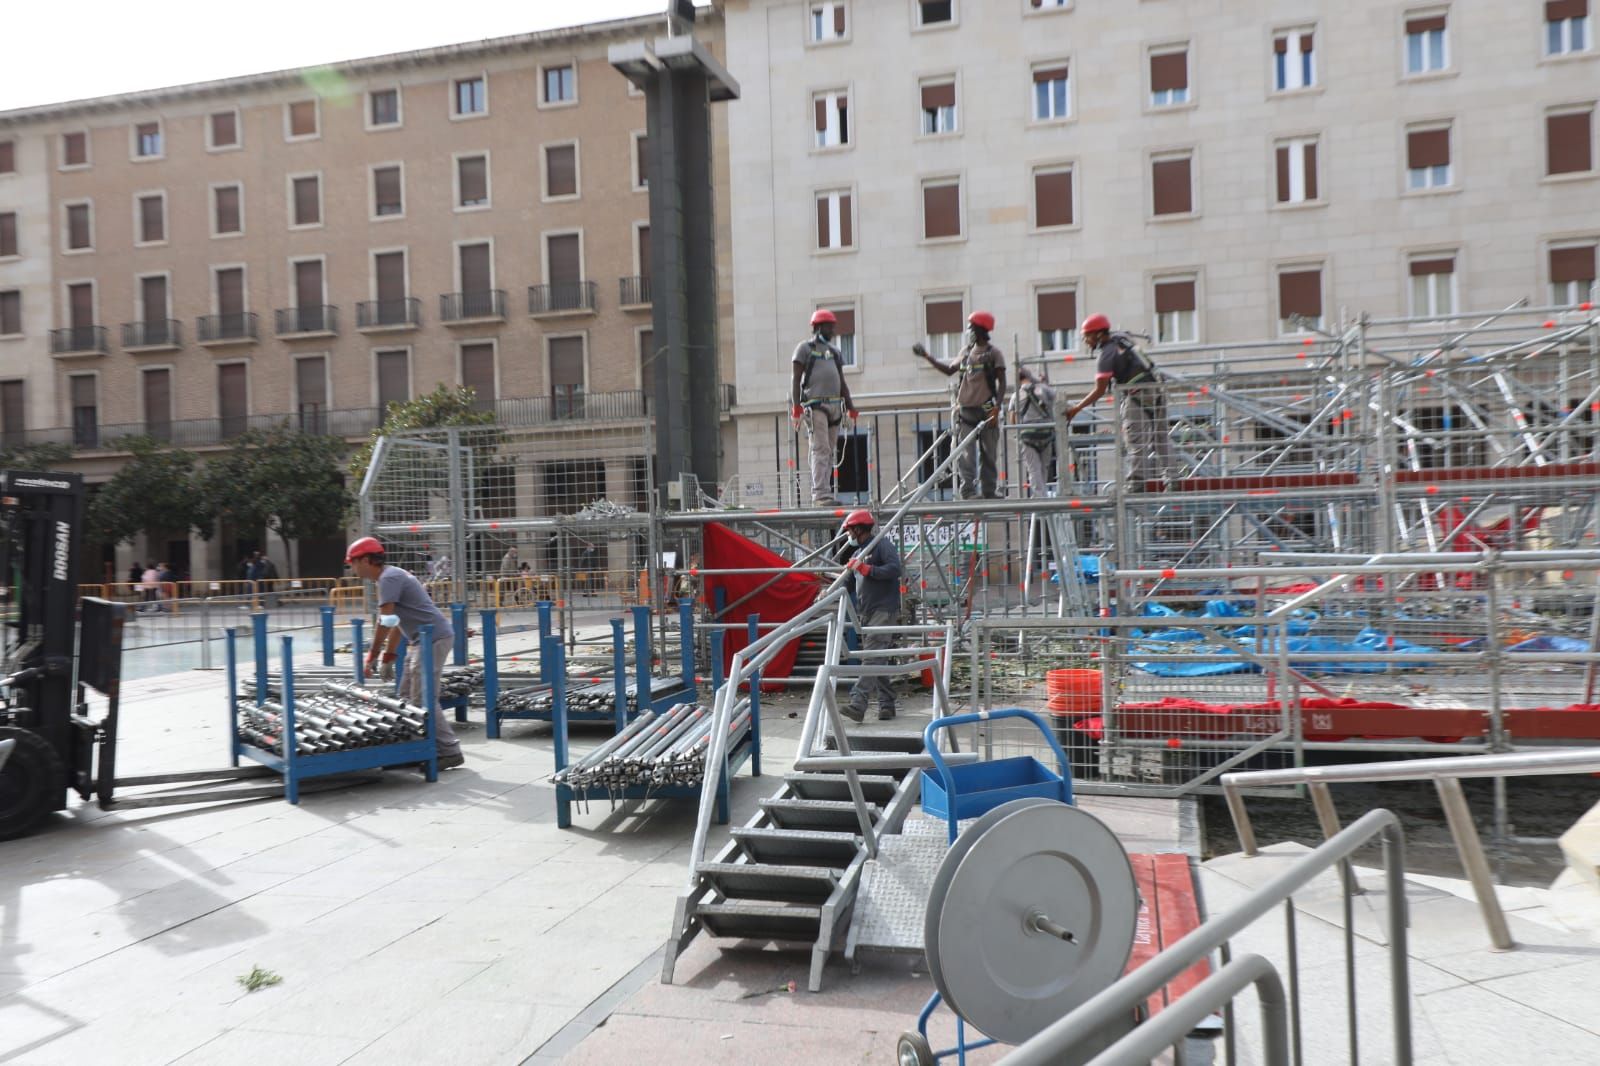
(8, 234)
(832, 113)
(152, 218)
(1052, 197)
(567, 375)
(1052, 93)
(828, 22)
(1169, 77)
(1057, 310)
(1049, 5)
(1171, 185)
(560, 84)
(560, 170)
(1294, 61)
(85, 410)
(1428, 158)
(302, 120)
(471, 96)
(938, 106)
(935, 12)
(1299, 299)
(563, 265)
(147, 141)
(1566, 27)
(13, 414)
(1177, 320)
(942, 321)
(394, 376)
(233, 398)
(10, 312)
(1296, 165)
(1568, 142)
(305, 201)
(222, 130)
(941, 208)
(80, 227)
(1426, 44)
(227, 212)
(155, 383)
(1433, 285)
(383, 108)
(1572, 274)
(835, 224)
(844, 332)
(390, 288)
(75, 149)
(232, 300)
(641, 162)
(472, 181)
(478, 373)
(8, 157)
(388, 198)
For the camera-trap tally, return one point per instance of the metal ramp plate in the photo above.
(894, 890)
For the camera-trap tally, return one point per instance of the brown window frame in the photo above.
(1160, 166)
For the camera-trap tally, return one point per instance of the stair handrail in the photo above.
(1446, 774)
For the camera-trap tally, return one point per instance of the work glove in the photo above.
(852, 412)
(796, 413)
(387, 673)
(860, 567)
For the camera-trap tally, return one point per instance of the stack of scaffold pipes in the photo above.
(334, 717)
(596, 699)
(668, 748)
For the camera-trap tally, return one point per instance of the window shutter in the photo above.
(303, 118)
(1428, 148)
(566, 362)
(8, 157)
(153, 299)
(564, 259)
(13, 412)
(157, 395)
(474, 179)
(1283, 175)
(308, 283)
(838, 20)
(561, 162)
(847, 237)
(386, 187)
(1050, 74)
(1556, 10)
(1567, 143)
(152, 220)
(824, 232)
(1300, 292)
(1280, 45)
(1572, 264)
(1170, 182)
(475, 268)
(76, 149)
(1425, 25)
(1305, 42)
(846, 324)
(311, 382)
(1168, 71)
(643, 238)
(1052, 198)
(147, 129)
(80, 305)
(224, 129)
(822, 121)
(937, 96)
(942, 316)
(232, 390)
(78, 226)
(941, 211)
(8, 233)
(228, 209)
(477, 371)
(306, 209)
(1174, 296)
(1311, 171)
(647, 364)
(11, 311)
(394, 378)
(230, 291)
(390, 271)
(1421, 267)
(642, 178)
(1058, 310)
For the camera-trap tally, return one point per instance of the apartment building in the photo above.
(315, 244)
(1202, 172)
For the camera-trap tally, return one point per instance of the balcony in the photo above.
(485, 305)
(373, 316)
(562, 298)
(634, 292)
(78, 340)
(317, 320)
(233, 327)
(160, 335)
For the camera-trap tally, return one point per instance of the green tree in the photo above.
(281, 479)
(445, 406)
(43, 456)
(153, 490)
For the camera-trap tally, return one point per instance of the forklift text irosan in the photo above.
(63, 546)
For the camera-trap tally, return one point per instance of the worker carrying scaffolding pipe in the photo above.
(1143, 410)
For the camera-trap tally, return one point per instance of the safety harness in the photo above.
(833, 405)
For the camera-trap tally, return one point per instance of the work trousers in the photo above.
(862, 691)
(820, 440)
(976, 472)
(444, 732)
(1036, 465)
(1144, 420)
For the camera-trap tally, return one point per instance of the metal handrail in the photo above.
(1446, 774)
(1125, 996)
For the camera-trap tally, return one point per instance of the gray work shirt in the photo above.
(824, 381)
(879, 590)
(412, 603)
(1119, 358)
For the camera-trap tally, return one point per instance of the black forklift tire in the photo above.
(31, 782)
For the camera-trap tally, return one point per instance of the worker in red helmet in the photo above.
(981, 369)
(876, 565)
(404, 606)
(819, 399)
(1141, 403)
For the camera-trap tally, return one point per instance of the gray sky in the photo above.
(64, 50)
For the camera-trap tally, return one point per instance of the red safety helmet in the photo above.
(982, 319)
(862, 517)
(363, 547)
(1095, 322)
(822, 315)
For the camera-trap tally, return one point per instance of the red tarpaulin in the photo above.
(778, 602)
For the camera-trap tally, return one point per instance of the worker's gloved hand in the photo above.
(796, 413)
(860, 567)
(852, 412)
(387, 673)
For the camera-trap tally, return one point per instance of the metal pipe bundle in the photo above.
(654, 750)
(333, 717)
(599, 698)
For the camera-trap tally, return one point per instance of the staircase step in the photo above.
(875, 788)
(808, 847)
(789, 884)
(755, 920)
(879, 741)
(816, 814)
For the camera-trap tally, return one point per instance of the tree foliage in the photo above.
(42, 456)
(282, 479)
(445, 406)
(153, 490)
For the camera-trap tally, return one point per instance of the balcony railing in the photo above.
(389, 314)
(467, 306)
(562, 298)
(161, 333)
(318, 318)
(231, 327)
(78, 340)
(634, 292)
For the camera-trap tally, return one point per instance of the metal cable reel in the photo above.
(1031, 914)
